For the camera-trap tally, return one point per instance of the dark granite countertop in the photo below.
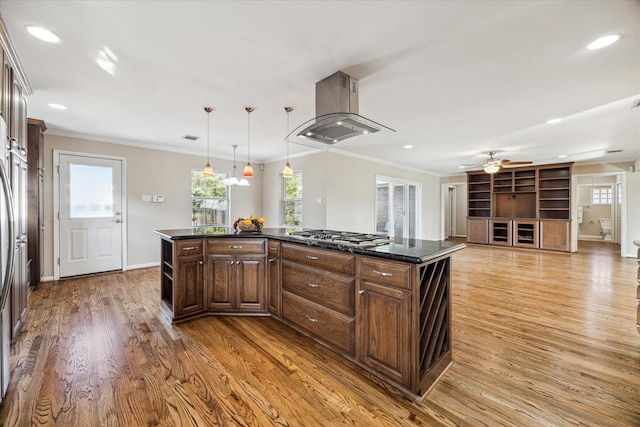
(407, 250)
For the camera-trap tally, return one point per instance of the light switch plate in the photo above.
(158, 198)
(146, 197)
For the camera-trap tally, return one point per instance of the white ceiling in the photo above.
(455, 79)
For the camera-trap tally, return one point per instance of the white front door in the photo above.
(90, 207)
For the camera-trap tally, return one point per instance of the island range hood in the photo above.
(337, 110)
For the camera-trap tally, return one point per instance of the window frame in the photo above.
(226, 199)
(601, 196)
(297, 200)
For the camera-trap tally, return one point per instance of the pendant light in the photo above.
(207, 172)
(287, 172)
(231, 179)
(248, 169)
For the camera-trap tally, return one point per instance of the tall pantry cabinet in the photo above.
(13, 109)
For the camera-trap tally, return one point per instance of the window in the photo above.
(292, 200)
(397, 207)
(601, 196)
(209, 200)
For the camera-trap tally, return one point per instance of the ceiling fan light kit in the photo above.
(493, 165)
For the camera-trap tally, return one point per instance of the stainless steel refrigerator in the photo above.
(7, 238)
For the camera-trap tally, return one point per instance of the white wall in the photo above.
(346, 188)
(148, 172)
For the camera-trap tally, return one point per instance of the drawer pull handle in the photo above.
(312, 285)
(235, 247)
(273, 249)
(272, 260)
(383, 274)
(311, 319)
(312, 258)
(189, 248)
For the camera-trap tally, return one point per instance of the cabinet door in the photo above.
(220, 281)
(274, 286)
(189, 285)
(478, 230)
(554, 235)
(249, 281)
(385, 330)
(500, 232)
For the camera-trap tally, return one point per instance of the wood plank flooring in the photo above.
(540, 338)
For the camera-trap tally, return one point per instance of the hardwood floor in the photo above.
(540, 338)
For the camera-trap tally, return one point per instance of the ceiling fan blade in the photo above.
(510, 163)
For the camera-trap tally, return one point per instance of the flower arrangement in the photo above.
(249, 224)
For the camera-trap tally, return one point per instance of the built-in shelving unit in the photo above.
(479, 201)
(166, 279)
(554, 195)
(526, 207)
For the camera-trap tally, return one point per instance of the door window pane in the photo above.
(397, 207)
(90, 191)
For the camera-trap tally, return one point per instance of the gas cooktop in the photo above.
(361, 240)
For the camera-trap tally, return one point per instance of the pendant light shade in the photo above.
(248, 169)
(207, 172)
(287, 171)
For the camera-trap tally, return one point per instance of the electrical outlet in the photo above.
(158, 198)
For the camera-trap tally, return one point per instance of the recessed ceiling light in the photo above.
(43, 34)
(408, 146)
(57, 106)
(603, 42)
(552, 121)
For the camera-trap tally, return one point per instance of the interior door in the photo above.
(90, 214)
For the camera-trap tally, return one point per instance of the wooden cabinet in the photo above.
(274, 278)
(236, 275)
(478, 230)
(318, 291)
(554, 235)
(189, 278)
(637, 243)
(525, 233)
(515, 202)
(385, 319)
(500, 232)
(35, 185)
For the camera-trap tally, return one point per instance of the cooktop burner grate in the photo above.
(343, 237)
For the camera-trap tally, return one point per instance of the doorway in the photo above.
(454, 210)
(598, 209)
(89, 206)
(397, 207)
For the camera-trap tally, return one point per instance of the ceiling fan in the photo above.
(493, 165)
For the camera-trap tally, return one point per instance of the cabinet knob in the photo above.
(201, 262)
(361, 292)
(272, 260)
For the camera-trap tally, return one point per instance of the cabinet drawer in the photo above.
(236, 246)
(188, 247)
(389, 273)
(331, 290)
(327, 325)
(273, 248)
(322, 258)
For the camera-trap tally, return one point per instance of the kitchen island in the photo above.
(385, 307)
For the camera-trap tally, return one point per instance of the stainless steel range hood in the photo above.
(337, 110)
